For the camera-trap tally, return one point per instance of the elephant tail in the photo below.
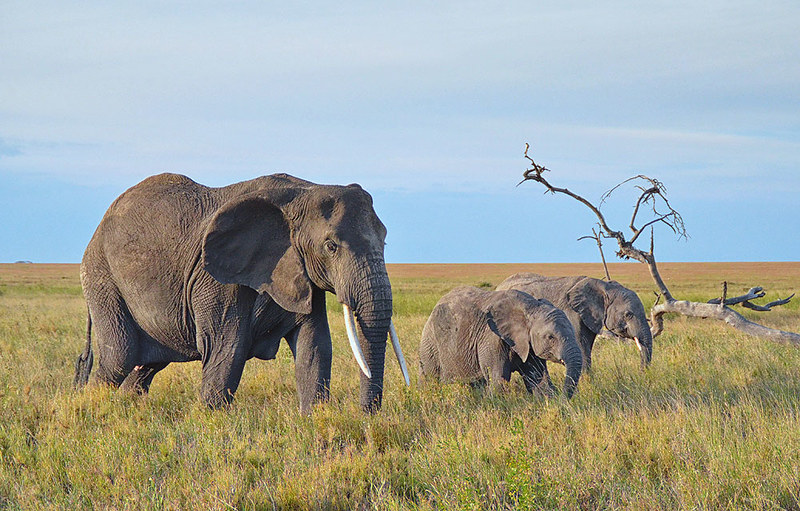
(83, 366)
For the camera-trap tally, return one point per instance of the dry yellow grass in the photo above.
(633, 273)
(713, 424)
(39, 274)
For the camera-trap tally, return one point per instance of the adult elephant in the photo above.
(178, 271)
(479, 335)
(590, 305)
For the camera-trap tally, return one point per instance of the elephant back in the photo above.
(553, 289)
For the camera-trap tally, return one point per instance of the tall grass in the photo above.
(713, 424)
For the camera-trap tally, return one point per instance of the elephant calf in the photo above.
(591, 304)
(479, 335)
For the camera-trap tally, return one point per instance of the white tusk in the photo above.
(398, 352)
(638, 345)
(350, 326)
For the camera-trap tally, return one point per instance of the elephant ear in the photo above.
(587, 299)
(248, 242)
(507, 319)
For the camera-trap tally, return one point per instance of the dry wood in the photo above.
(599, 240)
(653, 194)
(755, 292)
(767, 307)
(721, 313)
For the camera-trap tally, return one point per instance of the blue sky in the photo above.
(427, 106)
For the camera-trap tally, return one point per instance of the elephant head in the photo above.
(535, 327)
(287, 241)
(616, 307)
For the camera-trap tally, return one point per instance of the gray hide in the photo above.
(178, 271)
(591, 304)
(478, 335)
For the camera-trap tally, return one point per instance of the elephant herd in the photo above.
(177, 271)
(479, 335)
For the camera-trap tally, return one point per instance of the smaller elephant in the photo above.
(478, 335)
(591, 304)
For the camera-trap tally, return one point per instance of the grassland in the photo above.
(713, 424)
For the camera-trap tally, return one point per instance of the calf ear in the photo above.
(248, 242)
(588, 300)
(507, 319)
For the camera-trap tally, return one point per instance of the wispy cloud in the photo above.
(411, 97)
(7, 149)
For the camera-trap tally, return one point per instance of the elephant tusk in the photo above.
(399, 353)
(638, 344)
(350, 326)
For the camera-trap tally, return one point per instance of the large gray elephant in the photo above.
(479, 335)
(591, 304)
(178, 271)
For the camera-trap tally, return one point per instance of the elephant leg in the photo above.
(495, 366)
(221, 373)
(115, 335)
(536, 378)
(311, 347)
(223, 340)
(141, 377)
(586, 340)
(547, 387)
(429, 366)
(533, 372)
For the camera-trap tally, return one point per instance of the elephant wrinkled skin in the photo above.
(591, 304)
(478, 335)
(178, 271)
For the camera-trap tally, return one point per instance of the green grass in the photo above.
(713, 424)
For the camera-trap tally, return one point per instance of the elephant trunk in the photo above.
(644, 341)
(573, 360)
(372, 304)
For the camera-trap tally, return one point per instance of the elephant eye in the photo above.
(330, 246)
(628, 314)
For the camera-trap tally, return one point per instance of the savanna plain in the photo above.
(714, 423)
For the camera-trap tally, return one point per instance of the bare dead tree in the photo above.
(653, 196)
(599, 240)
